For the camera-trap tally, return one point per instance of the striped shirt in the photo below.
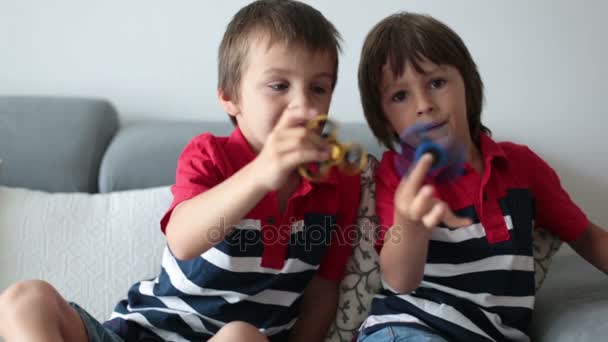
(258, 273)
(478, 282)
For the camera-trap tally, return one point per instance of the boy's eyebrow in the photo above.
(386, 87)
(276, 71)
(435, 69)
(325, 74)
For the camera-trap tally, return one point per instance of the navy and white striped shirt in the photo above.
(258, 273)
(478, 282)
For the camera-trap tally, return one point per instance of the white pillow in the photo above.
(92, 248)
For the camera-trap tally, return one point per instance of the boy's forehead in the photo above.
(393, 73)
(265, 40)
(268, 54)
(419, 66)
(296, 48)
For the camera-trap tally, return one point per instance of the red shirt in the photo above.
(507, 166)
(208, 160)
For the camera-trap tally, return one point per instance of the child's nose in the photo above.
(424, 105)
(303, 107)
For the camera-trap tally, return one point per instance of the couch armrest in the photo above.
(54, 143)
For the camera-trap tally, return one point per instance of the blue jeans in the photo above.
(400, 333)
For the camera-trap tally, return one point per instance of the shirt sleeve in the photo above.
(334, 262)
(554, 209)
(196, 173)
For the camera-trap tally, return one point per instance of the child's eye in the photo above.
(279, 86)
(319, 90)
(399, 96)
(438, 83)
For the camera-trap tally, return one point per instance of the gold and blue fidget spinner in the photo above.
(350, 158)
(434, 138)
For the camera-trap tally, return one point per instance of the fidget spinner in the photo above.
(448, 154)
(348, 157)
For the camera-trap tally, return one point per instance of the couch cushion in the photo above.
(52, 143)
(92, 248)
(144, 154)
(572, 304)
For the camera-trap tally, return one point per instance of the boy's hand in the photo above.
(417, 207)
(289, 145)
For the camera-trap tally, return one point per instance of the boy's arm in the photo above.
(416, 213)
(197, 224)
(593, 246)
(317, 310)
(555, 210)
(403, 256)
(203, 221)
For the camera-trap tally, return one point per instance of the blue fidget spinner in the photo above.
(449, 155)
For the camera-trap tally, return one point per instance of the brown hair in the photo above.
(285, 21)
(409, 37)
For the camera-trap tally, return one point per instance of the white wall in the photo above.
(543, 64)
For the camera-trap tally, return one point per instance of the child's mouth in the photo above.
(437, 131)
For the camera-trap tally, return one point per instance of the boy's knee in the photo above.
(27, 295)
(240, 331)
(33, 309)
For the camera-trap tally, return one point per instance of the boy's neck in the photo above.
(475, 159)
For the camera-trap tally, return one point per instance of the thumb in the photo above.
(288, 120)
(454, 221)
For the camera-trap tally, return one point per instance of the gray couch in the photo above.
(77, 145)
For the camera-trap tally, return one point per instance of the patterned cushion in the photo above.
(362, 278)
(545, 245)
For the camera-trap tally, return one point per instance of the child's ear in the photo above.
(227, 101)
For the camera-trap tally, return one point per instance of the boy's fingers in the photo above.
(442, 213)
(416, 177)
(433, 217)
(282, 123)
(305, 135)
(289, 120)
(453, 221)
(297, 158)
(318, 141)
(294, 138)
(422, 203)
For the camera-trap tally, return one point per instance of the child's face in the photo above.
(437, 95)
(280, 80)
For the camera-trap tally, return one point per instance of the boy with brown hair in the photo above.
(254, 252)
(456, 257)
